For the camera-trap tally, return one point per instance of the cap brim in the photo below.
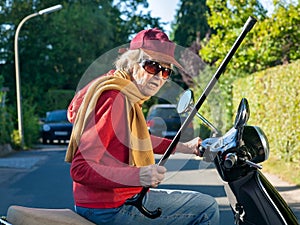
(162, 58)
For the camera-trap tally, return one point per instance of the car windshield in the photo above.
(57, 116)
(164, 113)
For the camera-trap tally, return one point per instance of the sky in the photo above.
(166, 10)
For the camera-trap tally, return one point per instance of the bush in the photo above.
(217, 107)
(31, 127)
(31, 124)
(58, 99)
(274, 99)
(6, 126)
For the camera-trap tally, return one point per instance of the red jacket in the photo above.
(101, 175)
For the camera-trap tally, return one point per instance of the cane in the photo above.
(137, 200)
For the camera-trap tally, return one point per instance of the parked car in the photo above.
(56, 127)
(164, 121)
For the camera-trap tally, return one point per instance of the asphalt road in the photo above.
(40, 178)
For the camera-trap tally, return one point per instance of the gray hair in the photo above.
(127, 60)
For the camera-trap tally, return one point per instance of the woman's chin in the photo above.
(149, 90)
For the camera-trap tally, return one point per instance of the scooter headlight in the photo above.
(256, 140)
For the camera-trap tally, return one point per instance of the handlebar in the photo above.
(230, 160)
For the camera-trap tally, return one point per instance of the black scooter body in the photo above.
(255, 201)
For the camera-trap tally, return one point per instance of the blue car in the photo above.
(56, 127)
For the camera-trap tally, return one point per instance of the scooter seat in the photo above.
(18, 215)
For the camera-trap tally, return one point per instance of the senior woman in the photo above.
(111, 151)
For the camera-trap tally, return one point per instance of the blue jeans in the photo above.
(178, 207)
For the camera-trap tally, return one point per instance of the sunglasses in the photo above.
(154, 68)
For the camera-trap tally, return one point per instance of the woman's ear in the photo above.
(135, 68)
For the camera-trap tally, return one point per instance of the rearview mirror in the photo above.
(186, 101)
(186, 104)
(242, 114)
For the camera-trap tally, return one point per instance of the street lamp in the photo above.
(18, 82)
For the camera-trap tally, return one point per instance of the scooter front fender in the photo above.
(255, 201)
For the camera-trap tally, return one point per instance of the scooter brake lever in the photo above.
(255, 165)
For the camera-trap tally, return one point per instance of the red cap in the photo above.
(156, 44)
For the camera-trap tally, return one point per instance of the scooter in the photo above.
(236, 156)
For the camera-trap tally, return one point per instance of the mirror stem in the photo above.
(216, 132)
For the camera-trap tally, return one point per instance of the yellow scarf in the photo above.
(141, 152)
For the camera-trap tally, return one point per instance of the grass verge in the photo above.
(287, 171)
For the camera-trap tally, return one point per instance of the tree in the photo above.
(190, 22)
(227, 19)
(133, 20)
(189, 28)
(277, 38)
(274, 39)
(56, 49)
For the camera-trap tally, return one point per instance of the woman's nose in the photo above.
(159, 75)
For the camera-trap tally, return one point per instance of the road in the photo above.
(40, 178)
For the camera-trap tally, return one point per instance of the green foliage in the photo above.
(6, 126)
(16, 140)
(217, 106)
(31, 124)
(276, 40)
(31, 127)
(131, 20)
(55, 49)
(59, 99)
(274, 100)
(227, 21)
(77, 42)
(227, 18)
(190, 22)
(273, 40)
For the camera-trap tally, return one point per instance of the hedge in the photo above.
(274, 99)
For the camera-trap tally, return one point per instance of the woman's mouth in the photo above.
(153, 84)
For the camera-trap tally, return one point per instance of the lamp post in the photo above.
(18, 82)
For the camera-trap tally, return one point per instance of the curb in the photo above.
(290, 192)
